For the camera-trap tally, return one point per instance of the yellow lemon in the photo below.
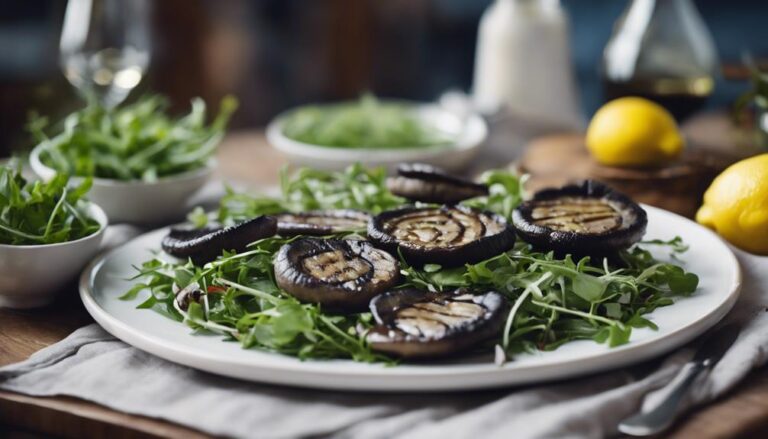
(633, 132)
(736, 205)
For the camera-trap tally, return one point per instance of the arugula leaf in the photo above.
(505, 192)
(33, 213)
(243, 302)
(558, 297)
(138, 141)
(356, 188)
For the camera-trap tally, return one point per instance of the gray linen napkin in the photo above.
(92, 365)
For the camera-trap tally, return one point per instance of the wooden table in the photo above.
(246, 157)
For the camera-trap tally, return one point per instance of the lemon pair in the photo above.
(637, 132)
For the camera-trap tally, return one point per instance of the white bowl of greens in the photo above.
(145, 165)
(377, 133)
(48, 233)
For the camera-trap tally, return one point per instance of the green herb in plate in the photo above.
(138, 141)
(34, 213)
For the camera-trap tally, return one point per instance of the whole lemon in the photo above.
(736, 205)
(633, 131)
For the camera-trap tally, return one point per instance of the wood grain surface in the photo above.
(558, 159)
(246, 157)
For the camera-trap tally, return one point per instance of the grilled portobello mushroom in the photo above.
(320, 222)
(206, 244)
(447, 235)
(587, 219)
(428, 184)
(340, 274)
(414, 323)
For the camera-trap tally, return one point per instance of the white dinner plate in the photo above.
(105, 280)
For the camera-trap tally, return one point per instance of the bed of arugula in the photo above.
(135, 141)
(553, 300)
(38, 212)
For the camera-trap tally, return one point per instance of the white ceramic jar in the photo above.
(523, 62)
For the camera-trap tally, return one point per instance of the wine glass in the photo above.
(105, 48)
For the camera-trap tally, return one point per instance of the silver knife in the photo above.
(661, 415)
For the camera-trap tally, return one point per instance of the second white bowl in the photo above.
(467, 135)
(138, 202)
(32, 275)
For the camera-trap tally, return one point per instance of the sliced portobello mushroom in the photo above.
(340, 274)
(581, 219)
(447, 235)
(205, 245)
(320, 222)
(426, 183)
(418, 324)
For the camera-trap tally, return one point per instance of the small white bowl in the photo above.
(32, 275)
(138, 202)
(468, 134)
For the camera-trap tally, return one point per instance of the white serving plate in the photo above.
(468, 133)
(709, 257)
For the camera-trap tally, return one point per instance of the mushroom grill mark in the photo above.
(337, 267)
(577, 214)
(441, 227)
(585, 219)
(433, 320)
(342, 275)
(448, 235)
(415, 323)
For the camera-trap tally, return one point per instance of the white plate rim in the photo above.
(321, 375)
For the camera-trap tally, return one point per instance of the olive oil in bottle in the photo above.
(681, 96)
(661, 50)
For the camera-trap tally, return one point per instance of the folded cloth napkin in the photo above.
(92, 365)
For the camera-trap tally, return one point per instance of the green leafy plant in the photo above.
(756, 99)
(356, 188)
(367, 123)
(138, 141)
(553, 300)
(33, 213)
(243, 302)
(558, 300)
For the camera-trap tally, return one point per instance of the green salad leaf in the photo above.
(244, 303)
(556, 300)
(34, 213)
(138, 141)
(356, 188)
(553, 300)
(367, 123)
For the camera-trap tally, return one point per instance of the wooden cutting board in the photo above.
(555, 160)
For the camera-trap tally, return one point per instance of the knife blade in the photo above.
(661, 415)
